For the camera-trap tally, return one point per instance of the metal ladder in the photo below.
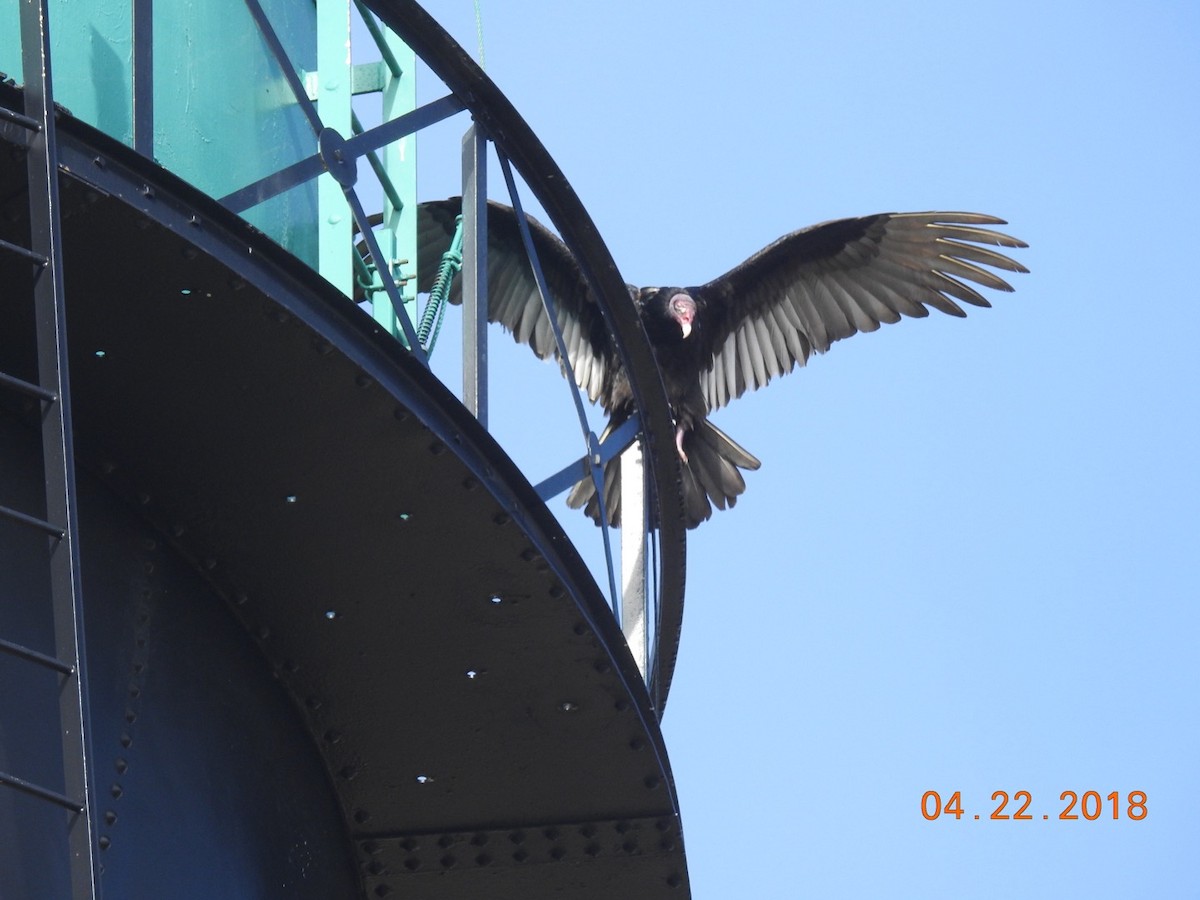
(60, 524)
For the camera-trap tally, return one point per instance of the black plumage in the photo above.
(756, 322)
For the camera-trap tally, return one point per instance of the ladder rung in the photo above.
(24, 251)
(49, 527)
(17, 118)
(33, 656)
(26, 387)
(27, 787)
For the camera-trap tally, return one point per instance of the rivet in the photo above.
(116, 790)
(673, 880)
(521, 855)
(602, 665)
(291, 666)
(375, 867)
(557, 853)
(264, 633)
(445, 841)
(470, 483)
(363, 380)
(410, 844)
(190, 253)
(361, 816)
(177, 529)
(517, 837)
(437, 448)
(630, 846)
(210, 563)
(383, 890)
(651, 781)
(371, 847)
(636, 743)
(592, 849)
(147, 192)
(110, 818)
(448, 861)
(349, 772)
(588, 831)
(622, 827)
(126, 740)
(580, 629)
(667, 843)
(104, 843)
(400, 414)
(121, 765)
(412, 864)
(621, 705)
(479, 839)
(333, 736)
(501, 519)
(313, 702)
(483, 860)
(568, 706)
(555, 591)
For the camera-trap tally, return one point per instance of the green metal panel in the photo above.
(92, 51)
(333, 95)
(224, 116)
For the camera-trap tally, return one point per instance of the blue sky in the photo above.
(971, 559)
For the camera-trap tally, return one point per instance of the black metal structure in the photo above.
(306, 631)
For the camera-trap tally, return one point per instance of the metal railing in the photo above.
(660, 548)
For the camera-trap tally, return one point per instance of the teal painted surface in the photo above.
(334, 92)
(91, 55)
(224, 115)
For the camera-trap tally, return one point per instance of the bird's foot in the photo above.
(679, 443)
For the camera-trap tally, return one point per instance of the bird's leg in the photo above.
(679, 443)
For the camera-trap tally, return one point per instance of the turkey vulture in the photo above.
(716, 341)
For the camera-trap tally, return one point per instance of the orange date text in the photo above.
(1090, 805)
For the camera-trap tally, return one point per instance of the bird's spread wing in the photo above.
(824, 283)
(513, 298)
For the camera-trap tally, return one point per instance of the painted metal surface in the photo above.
(222, 114)
(295, 492)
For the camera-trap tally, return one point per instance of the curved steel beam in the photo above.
(513, 136)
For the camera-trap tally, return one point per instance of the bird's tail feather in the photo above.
(710, 476)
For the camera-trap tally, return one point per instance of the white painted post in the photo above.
(633, 554)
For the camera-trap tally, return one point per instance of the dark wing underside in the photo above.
(824, 283)
(513, 298)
